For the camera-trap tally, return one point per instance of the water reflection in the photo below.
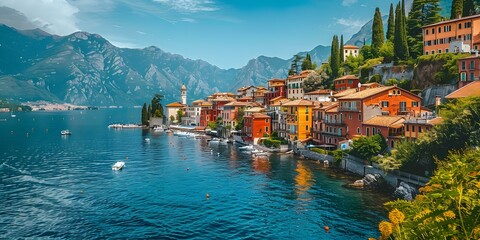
(303, 180)
(261, 164)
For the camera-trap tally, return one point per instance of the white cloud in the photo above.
(190, 20)
(141, 33)
(191, 6)
(350, 25)
(348, 2)
(53, 16)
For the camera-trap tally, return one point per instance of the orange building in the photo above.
(456, 35)
(360, 106)
(346, 82)
(390, 127)
(469, 70)
(255, 126)
(416, 127)
(276, 88)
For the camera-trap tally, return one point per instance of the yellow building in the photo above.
(299, 119)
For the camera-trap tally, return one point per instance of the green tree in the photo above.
(212, 125)
(469, 8)
(352, 64)
(312, 82)
(342, 50)
(400, 47)
(378, 35)
(448, 206)
(239, 119)
(335, 58)
(179, 115)
(391, 24)
(156, 108)
(307, 63)
(144, 114)
(423, 12)
(457, 8)
(386, 51)
(366, 147)
(294, 66)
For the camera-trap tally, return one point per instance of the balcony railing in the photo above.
(333, 134)
(334, 122)
(350, 109)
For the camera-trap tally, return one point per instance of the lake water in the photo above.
(54, 186)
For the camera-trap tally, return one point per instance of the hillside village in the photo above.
(333, 117)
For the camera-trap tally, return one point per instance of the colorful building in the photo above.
(172, 111)
(276, 88)
(295, 85)
(360, 106)
(350, 50)
(469, 70)
(230, 112)
(416, 127)
(321, 95)
(455, 35)
(299, 119)
(346, 82)
(206, 113)
(390, 127)
(256, 126)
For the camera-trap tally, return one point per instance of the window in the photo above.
(413, 128)
(472, 65)
(426, 32)
(403, 106)
(426, 53)
(359, 117)
(306, 118)
(463, 76)
(358, 130)
(472, 76)
(446, 50)
(414, 104)
(407, 128)
(459, 26)
(433, 30)
(468, 24)
(266, 120)
(419, 129)
(368, 131)
(266, 129)
(433, 52)
(463, 65)
(439, 29)
(439, 50)
(384, 103)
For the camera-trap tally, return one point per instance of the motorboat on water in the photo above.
(118, 165)
(65, 132)
(158, 129)
(147, 139)
(247, 147)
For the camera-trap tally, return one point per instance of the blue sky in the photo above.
(221, 32)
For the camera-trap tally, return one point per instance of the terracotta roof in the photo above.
(326, 105)
(332, 109)
(435, 121)
(367, 93)
(237, 104)
(319, 91)
(346, 77)
(303, 74)
(175, 104)
(453, 20)
(276, 80)
(280, 102)
(350, 47)
(259, 115)
(469, 90)
(384, 121)
(183, 87)
(255, 109)
(206, 104)
(345, 93)
(299, 102)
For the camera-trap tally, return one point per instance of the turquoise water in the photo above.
(52, 186)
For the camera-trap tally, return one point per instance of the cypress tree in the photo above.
(423, 12)
(391, 24)
(457, 8)
(468, 8)
(404, 32)
(397, 41)
(377, 30)
(334, 57)
(342, 50)
(307, 63)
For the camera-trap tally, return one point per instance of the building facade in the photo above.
(346, 82)
(295, 85)
(299, 119)
(455, 35)
(256, 126)
(350, 50)
(469, 70)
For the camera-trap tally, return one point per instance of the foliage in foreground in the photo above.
(447, 208)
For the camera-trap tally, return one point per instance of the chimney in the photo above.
(438, 100)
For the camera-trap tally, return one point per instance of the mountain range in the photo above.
(86, 69)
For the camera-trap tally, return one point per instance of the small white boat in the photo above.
(158, 129)
(65, 132)
(147, 139)
(118, 165)
(257, 151)
(248, 147)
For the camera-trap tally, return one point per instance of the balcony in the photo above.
(348, 109)
(336, 134)
(334, 122)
